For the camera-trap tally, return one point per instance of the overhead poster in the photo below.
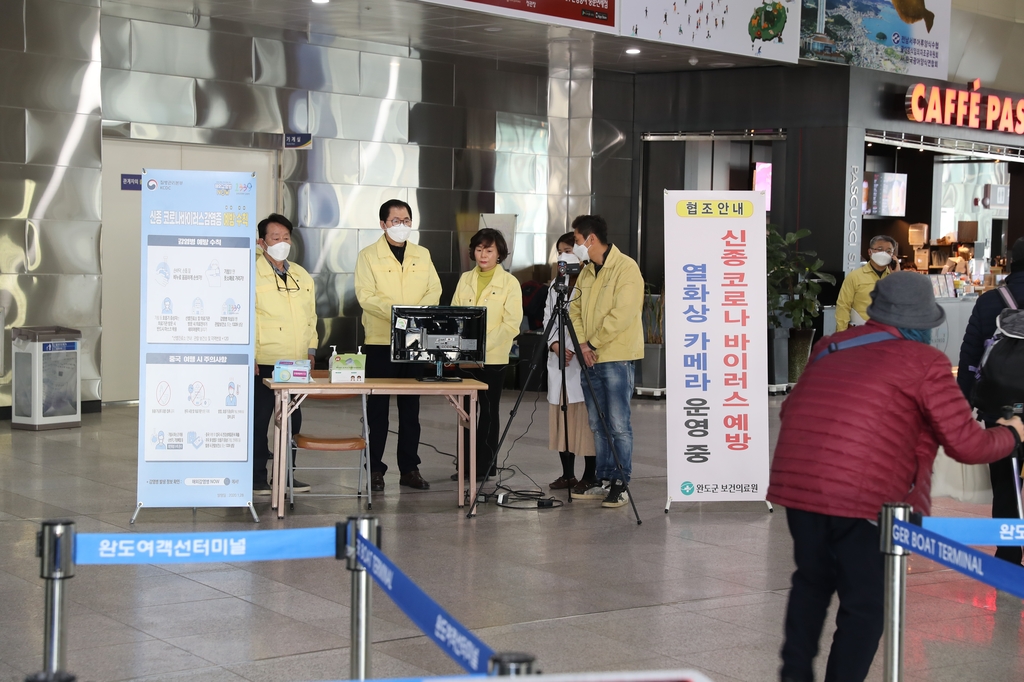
(595, 15)
(752, 28)
(716, 353)
(898, 36)
(196, 356)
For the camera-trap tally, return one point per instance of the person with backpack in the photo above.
(861, 429)
(980, 329)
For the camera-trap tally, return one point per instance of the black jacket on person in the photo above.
(980, 329)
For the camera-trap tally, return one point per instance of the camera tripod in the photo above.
(561, 317)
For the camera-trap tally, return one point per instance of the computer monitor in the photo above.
(439, 335)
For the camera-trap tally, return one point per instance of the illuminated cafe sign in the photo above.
(963, 108)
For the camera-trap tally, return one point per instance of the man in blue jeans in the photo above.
(607, 318)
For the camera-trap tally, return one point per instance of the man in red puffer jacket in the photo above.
(860, 429)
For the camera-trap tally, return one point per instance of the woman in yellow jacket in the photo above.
(490, 286)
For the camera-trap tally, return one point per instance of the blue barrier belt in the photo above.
(996, 532)
(1000, 574)
(454, 638)
(189, 548)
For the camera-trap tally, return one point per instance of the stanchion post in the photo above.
(362, 602)
(511, 663)
(895, 591)
(55, 547)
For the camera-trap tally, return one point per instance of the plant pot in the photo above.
(652, 367)
(800, 343)
(778, 355)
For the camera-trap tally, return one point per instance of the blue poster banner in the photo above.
(1000, 574)
(196, 331)
(995, 532)
(193, 548)
(454, 638)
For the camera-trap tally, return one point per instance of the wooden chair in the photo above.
(359, 443)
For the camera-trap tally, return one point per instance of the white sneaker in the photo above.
(596, 492)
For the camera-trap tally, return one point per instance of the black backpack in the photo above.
(1000, 375)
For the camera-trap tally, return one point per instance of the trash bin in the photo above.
(46, 387)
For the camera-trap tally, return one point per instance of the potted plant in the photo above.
(652, 367)
(794, 282)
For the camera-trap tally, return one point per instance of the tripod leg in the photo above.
(604, 421)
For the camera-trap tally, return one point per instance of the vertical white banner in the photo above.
(716, 323)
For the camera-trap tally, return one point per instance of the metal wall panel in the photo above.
(336, 295)
(36, 81)
(436, 170)
(390, 77)
(12, 29)
(327, 160)
(518, 133)
(579, 175)
(42, 192)
(558, 97)
(62, 29)
(474, 170)
(12, 134)
(434, 124)
(177, 51)
(62, 247)
(612, 138)
(328, 250)
(479, 130)
(238, 106)
(185, 135)
(433, 209)
(53, 138)
(149, 98)
(517, 173)
(613, 96)
(41, 300)
(580, 140)
(12, 250)
(558, 137)
(558, 175)
(515, 93)
(532, 210)
(613, 177)
(307, 67)
(347, 206)
(115, 42)
(581, 98)
(439, 244)
(358, 118)
(388, 165)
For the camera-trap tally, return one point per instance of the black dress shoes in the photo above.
(412, 479)
(376, 481)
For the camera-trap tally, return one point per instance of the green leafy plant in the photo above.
(794, 279)
(653, 316)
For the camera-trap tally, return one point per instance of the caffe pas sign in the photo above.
(969, 108)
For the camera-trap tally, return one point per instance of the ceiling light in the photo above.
(633, 50)
(320, 2)
(870, 143)
(494, 29)
(693, 61)
(721, 64)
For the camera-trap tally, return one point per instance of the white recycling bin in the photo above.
(47, 389)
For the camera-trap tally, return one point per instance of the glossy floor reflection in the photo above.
(582, 588)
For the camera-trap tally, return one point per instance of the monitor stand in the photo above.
(440, 375)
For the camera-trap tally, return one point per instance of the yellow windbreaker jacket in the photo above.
(855, 294)
(382, 282)
(503, 299)
(285, 320)
(608, 309)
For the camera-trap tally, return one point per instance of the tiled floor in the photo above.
(582, 588)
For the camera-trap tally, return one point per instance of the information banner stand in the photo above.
(716, 353)
(197, 348)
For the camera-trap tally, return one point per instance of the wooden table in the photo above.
(289, 396)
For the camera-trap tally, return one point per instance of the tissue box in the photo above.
(291, 371)
(348, 368)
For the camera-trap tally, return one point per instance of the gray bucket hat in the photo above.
(905, 299)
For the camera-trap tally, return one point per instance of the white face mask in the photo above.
(581, 252)
(881, 258)
(399, 233)
(278, 251)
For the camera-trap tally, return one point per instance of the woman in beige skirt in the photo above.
(580, 438)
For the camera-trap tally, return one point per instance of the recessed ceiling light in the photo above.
(633, 50)
(494, 29)
(721, 64)
(321, 2)
(693, 61)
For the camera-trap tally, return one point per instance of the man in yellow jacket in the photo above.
(393, 271)
(285, 330)
(855, 294)
(607, 319)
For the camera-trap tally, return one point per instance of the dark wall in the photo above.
(612, 163)
(919, 167)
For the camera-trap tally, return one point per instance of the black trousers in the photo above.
(833, 554)
(1004, 503)
(379, 366)
(488, 421)
(262, 415)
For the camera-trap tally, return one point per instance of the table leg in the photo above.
(281, 453)
(472, 448)
(460, 434)
(278, 411)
